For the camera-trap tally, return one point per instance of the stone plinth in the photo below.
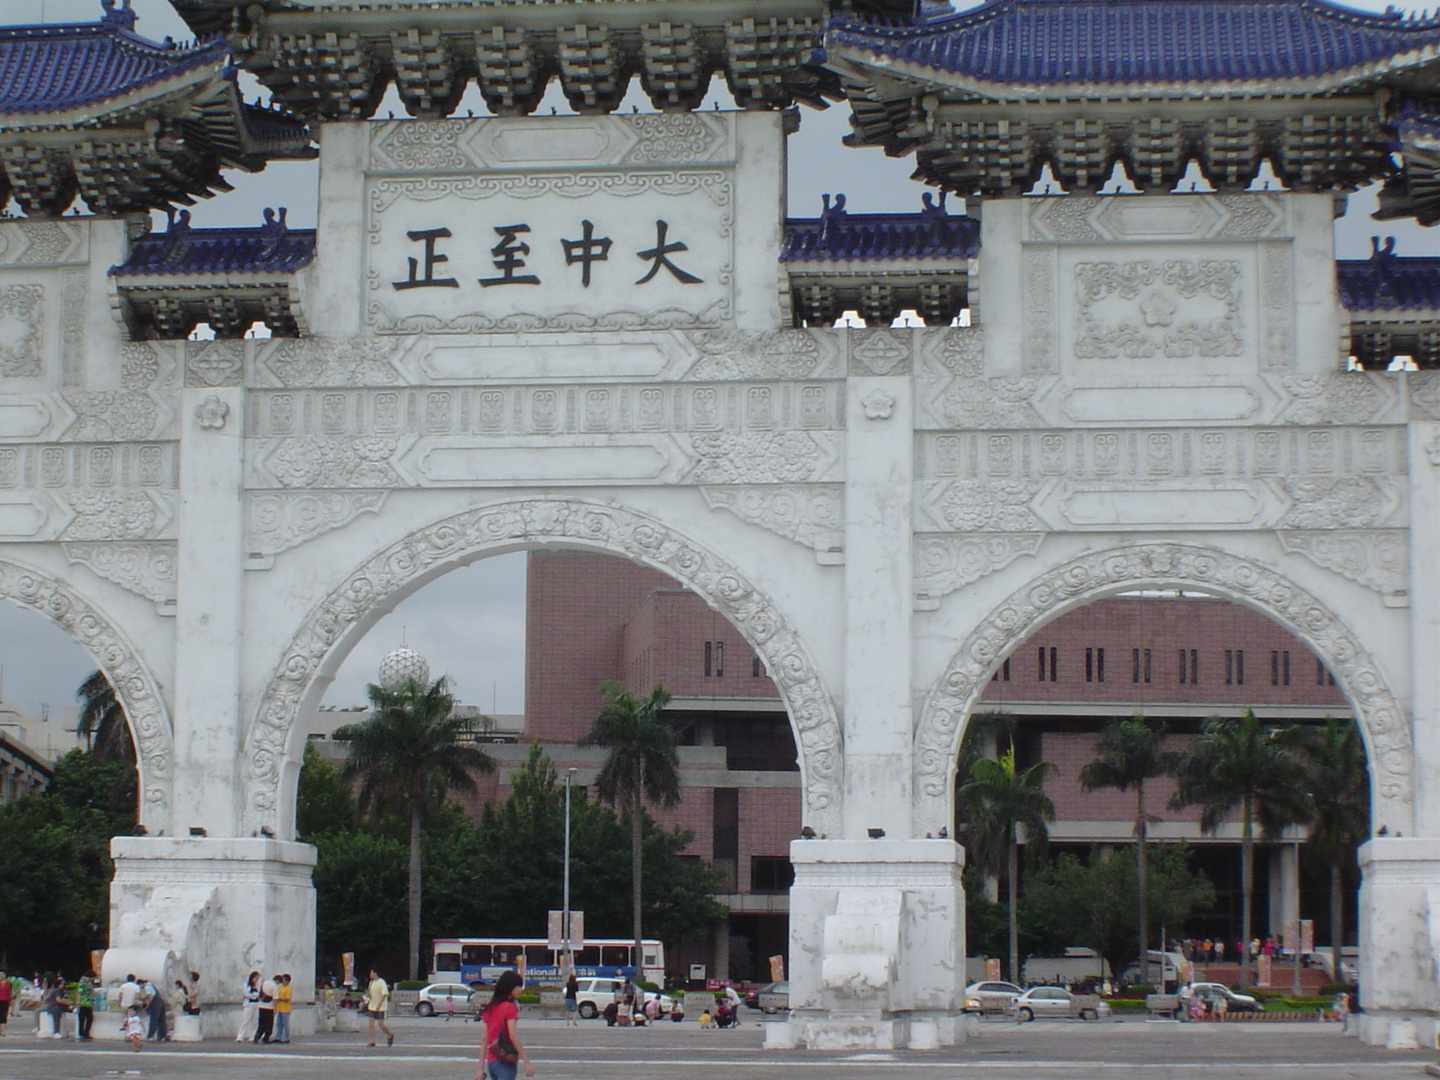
(1399, 940)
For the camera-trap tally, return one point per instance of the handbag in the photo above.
(503, 1049)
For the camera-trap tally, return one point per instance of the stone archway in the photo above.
(115, 655)
(454, 541)
(1097, 574)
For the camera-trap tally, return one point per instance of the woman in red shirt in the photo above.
(501, 1017)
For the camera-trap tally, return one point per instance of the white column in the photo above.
(1284, 888)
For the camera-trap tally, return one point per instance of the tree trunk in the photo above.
(1141, 835)
(1337, 925)
(1247, 887)
(1012, 871)
(635, 881)
(414, 892)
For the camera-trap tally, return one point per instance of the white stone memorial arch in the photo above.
(600, 330)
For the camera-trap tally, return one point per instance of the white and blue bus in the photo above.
(481, 960)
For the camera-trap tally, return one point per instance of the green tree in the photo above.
(996, 803)
(324, 799)
(1241, 763)
(1131, 752)
(410, 755)
(1333, 759)
(102, 719)
(641, 765)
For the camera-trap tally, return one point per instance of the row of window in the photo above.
(1187, 666)
(715, 662)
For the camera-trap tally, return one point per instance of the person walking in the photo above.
(572, 1007)
(377, 1000)
(249, 1007)
(265, 1029)
(133, 1028)
(7, 994)
(85, 1006)
(284, 998)
(502, 1050)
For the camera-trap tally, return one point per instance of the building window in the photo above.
(1054, 656)
(1322, 677)
(709, 659)
(1094, 665)
(1003, 673)
(1279, 667)
(757, 669)
(771, 874)
(1234, 667)
(1140, 665)
(1190, 673)
(714, 659)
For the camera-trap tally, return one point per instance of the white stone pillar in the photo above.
(1284, 888)
(1399, 940)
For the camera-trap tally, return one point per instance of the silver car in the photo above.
(991, 996)
(1050, 1001)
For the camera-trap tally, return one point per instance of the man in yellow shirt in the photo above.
(284, 995)
(377, 1000)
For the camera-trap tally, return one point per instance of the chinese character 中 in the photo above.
(659, 256)
(588, 249)
(429, 236)
(510, 255)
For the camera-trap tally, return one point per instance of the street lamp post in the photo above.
(569, 951)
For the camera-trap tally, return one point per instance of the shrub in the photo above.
(1330, 989)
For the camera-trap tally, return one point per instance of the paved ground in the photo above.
(1048, 1050)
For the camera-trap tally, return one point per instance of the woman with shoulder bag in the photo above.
(502, 1051)
(249, 1008)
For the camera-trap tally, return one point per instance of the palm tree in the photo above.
(102, 720)
(995, 803)
(1241, 763)
(642, 766)
(1130, 753)
(1333, 758)
(410, 755)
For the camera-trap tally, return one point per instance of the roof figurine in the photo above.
(97, 111)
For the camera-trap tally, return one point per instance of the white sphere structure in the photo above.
(402, 665)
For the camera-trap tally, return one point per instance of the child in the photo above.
(134, 1029)
(449, 1007)
(705, 1019)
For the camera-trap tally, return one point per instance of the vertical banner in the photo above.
(1262, 970)
(1292, 935)
(992, 968)
(777, 969)
(347, 969)
(555, 930)
(1307, 935)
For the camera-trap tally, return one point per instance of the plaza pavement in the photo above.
(435, 1049)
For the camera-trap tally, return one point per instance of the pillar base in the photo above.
(1399, 942)
(222, 907)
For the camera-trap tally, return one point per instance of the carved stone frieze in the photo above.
(1277, 306)
(1353, 397)
(145, 365)
(1038, 285)
(1140, 310)
(214, 363)
(782, 354)
(1093, 575)
(1347, 502)
(106, 415)
(880, 351)
(1377, 559)
(325, 362)
(789, 457)
(1085, 219)
(981, 505)
(147, 569)
(124, 514)
(459, 539)
(78, 467)
(956, 394)
(73, 313)
(946, 563)
(809, 514)
(319, 461)
(22, 352)
(136, 687)
(278, 520)
(35, 242)
(1425, 392)
(211, 414)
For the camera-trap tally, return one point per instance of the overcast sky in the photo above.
(470, 624)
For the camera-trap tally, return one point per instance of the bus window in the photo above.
(447, 961)
(539, 956)
(650, 960)
(589, 956)
(506, 955)
(615, 955)
(474, 956)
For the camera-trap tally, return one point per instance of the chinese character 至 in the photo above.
(510, 255)
(659, 256)
(429, 236)
(588, 249)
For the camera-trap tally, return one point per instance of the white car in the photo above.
(438, 997)
(594, 993)
(991, 996)
(1053, 1001)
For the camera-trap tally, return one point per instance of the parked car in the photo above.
(1210, 992)
(990, 997)
(1053, 1001)
(434, 998)
(593, 994)
(774, 998)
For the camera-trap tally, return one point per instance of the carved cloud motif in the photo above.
(1178, 308)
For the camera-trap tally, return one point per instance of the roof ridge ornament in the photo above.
(118, 13)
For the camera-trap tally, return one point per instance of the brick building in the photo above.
(591, 618)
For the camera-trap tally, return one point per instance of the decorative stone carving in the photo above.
(317, 461)
(810, 514)
(32, 242)
(880, 352)
(1138, 310)
(134, 685)
(754, 458)
(1354, 397)
(106, 415)
(946, 563)
(141, 366)
(277, 521)
(982, 505)
(1432, 450)
(21, 350)
(210, 414)
(1425, 392)
(1085, 219)
(1327, 502)
(878, 405)
(116, 514)
(1097, 574)
(1277, 306)
(73, 285)
(783, 354)
(1038, 268)
(326, 362)
(214, 363)
(1378, 560)
(145, 569)
(457, 540)
(956, 393)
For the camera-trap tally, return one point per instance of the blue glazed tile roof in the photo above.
(880, 238)
(184, 251)
(52, 68)
(1096, 42)
(1389, 283)
(1419, 121)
